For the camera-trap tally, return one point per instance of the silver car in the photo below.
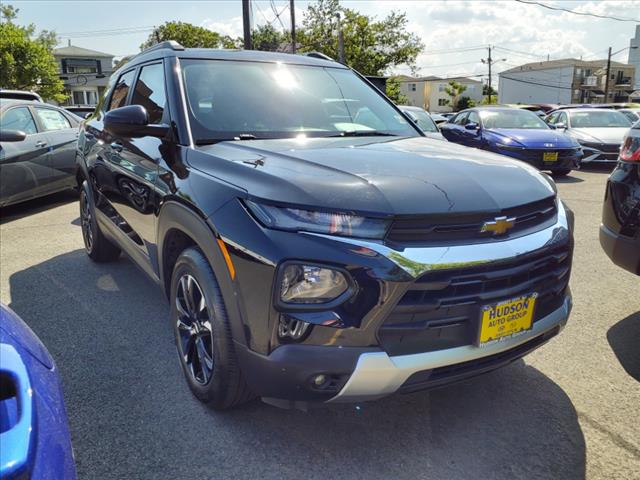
(599, 131)
(424, 121)
(37, 150)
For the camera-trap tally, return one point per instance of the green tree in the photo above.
(26, 59)
(454, 90)
(394, 93)
(189, 36)
(465, 102)
(267, 38)
(371, 46)
(491, 95)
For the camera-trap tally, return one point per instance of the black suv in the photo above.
(313, 244)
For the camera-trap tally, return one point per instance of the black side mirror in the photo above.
(12, 136)
(132, 121)
(472, 126)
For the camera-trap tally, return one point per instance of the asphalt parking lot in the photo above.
(568, 411)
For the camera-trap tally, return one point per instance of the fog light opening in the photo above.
(292, 329)
(327, 382)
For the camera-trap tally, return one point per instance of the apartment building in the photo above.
(429, 92)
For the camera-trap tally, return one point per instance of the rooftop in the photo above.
(564, 62)
(73, 51)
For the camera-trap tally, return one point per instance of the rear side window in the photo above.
(121, 90)
(19, 119)
(52, 119)
(150, 92)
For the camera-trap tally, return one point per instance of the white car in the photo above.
(424, 121)
(598, 130)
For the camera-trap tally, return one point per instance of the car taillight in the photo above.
(630, 151)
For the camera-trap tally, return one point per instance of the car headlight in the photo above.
(331, 223)
(311, 284)
(515, 148)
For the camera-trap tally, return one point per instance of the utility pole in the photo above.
(341, 58)
(489, 62)
(293, 26)
(606, 82)
(246, 23)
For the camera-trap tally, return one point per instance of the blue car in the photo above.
(34, 434)
(517, 133)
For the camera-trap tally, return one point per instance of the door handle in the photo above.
(41, 144)
(117, 146)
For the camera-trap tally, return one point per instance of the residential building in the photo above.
(85, 73)
(634, 56)
(566, 81)
(429, 92)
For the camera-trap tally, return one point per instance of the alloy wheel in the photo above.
(86, 219)
(193, 325)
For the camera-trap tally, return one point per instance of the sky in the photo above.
(455, 33)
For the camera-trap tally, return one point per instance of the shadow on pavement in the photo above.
(31, 207)
(624, 339)
(568, 179)
(132, 415)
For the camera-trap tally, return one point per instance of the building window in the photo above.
(412, 87)
(441, 87)
(85, 97)
(442, 102)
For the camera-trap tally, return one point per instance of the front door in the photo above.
(24, 166)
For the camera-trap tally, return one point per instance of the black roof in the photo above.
(173, 49)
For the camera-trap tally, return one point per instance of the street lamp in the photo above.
(606, 82)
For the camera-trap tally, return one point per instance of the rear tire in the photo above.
(203, 334)
(98, 247)
(561, 172)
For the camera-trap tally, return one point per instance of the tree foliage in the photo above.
(464, 102)
(26, 59)
(454, 90)
(371, 46)
(394, 93)
(189, 36)
(267, 38)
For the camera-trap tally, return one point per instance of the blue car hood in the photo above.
(531, 138)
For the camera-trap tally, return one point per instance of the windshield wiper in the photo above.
(363, 133)
(242, 136)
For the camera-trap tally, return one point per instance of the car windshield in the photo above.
(423, 119)
(598, 119)
(237, 99)
(511, 119)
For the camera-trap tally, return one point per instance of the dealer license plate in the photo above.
(549, 156)
(507, 318)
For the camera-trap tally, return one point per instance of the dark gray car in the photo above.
(37, 150)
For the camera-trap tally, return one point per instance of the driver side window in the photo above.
(473, 117)
(121, 90)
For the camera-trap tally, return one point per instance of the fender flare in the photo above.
(176, 216)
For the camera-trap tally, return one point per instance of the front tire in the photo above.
(203, 334)
(98, 247)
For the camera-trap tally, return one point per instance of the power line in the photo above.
(527, 54)
(606, 17)
(454, 50)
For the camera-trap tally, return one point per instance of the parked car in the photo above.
(314, 250)
(620, 229)
(633, 114)
(423, 120)
(599, 131)
(20, 95)
(515, 133)
(448, 115)
(81, 111)
(34, 434)
(37, 150)
(438, 119)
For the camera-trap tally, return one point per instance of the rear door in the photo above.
(61, 137)
(471, 138)
(24, 166)
(453, 130)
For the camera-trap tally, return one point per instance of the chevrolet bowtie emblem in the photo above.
(499, 226)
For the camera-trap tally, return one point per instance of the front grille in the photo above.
(466, 228)
(534, 155)
(442, 309)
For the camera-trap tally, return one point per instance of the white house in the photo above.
(429, 92)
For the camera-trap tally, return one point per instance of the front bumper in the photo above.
(376, 374)
(603, 154)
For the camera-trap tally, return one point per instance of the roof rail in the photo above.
(172, 44)
(319, 55)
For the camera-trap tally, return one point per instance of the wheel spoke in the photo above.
(205, 361)
(182, 309)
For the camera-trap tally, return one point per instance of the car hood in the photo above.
(600, 135)
(531, 138)
(397, 176)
